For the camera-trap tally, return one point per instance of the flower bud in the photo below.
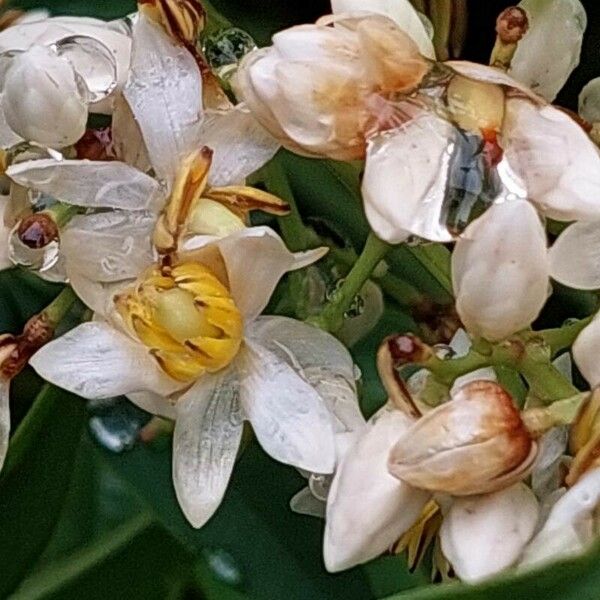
(38, 230)
(584, 439)
(512, 24)
(42, 98)
(475, 443)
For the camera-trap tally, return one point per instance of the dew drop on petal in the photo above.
(225, 49)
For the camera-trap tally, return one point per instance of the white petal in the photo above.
(94, 294)
(589, 101)
(400, 11)
(564, 185)
(94, 360)
(240, 144)
(94, 184)
(304, 503)
(288, 416)
(5, 262)
(164, 91)
(575, 256)
(586, 350)
(547, 475)
(546, 67)
(571, 524)
(109, 246)
(500, 270)
(154, 404)
(256, 259)
(368, 509)
(8, 137)
(4, 419)
(320, 359)
(207, 436)
(127, 141)
(483, 535)
(406, 174)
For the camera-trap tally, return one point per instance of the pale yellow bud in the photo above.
(213, 218)
(475, 443)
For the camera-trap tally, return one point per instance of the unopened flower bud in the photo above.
(37, 230)
(512, 24)
(475, 443)
(96, 144)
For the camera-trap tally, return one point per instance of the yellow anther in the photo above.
(186, 317)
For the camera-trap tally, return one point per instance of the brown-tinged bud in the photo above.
(476, 443)
(584, 439)
(511, 25)
(37, 230)
(182, 19)
(95, 144)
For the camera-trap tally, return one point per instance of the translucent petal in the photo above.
(109, 246)
(405, 180)
(94, 360)
(4, 419)
(484, 535)
(164, 91)
(293, 427)
(127, 141)
(400, 11)
(575, 256)
(563, 185)
(368, 509)
(240, 144)
(8, 137)
(506, 249)
(304, 503)
(208, 431)
(320, 359)
(546, 67)
(94, 184)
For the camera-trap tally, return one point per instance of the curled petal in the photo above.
(207, 435)
(164, 91)
(563, 185)
(506, 249)
(484, 535)
(586, 350)
(575, 256)
(4, 419)
(94, 184)
(293, 427)
(546, 67)
(94, 360)
(367, 508)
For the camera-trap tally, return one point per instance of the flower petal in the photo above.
(240, 144)
(546, 67)
(109, 246)
(5, 261)
(4, 419)
(94, 184)
(400, 11)
(287, 414)
(563, 185)
(367, 508)
(154, 404)
(8, 137)
(208, 431)
(506, 249)
(484, 535)
(320, 359)
(406, 174)
(94, 294)
(94, 360)
(304, 503)
(127, 141)
(575, 256)
(586, 350)
(164, 91)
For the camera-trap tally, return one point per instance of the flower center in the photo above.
(187, 318)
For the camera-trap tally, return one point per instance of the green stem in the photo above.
(332, 317)
(562, 338)
(62, 213)
(60, 306)
(545, 381)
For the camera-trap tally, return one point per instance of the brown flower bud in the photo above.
(512, 24)
(37, 230)
(475, 443)
(95, 144)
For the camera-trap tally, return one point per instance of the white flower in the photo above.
(187, 342)
(68, 66)
(5, 261)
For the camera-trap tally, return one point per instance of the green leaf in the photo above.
(35, 480)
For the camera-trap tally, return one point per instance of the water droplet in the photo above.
(225, 49)
(319, 486)
(224, 566)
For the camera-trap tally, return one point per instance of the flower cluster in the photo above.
(485, 448)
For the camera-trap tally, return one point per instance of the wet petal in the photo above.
(575, 256)
(406, 174)
(109, 246)
(240, 145)
(288, 416)
(505, 248)
(484, 535)
(4, 419)
(546, 67)
(368, 509)
(94, 360)
(154, 404)
(208, 431)
(564, 185)
(127, 141)
(94, 184)
(320, 359)
(400, 11)
(164, 91)
(94, 294)
(586, 350)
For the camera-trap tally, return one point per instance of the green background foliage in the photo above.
(79, 522)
